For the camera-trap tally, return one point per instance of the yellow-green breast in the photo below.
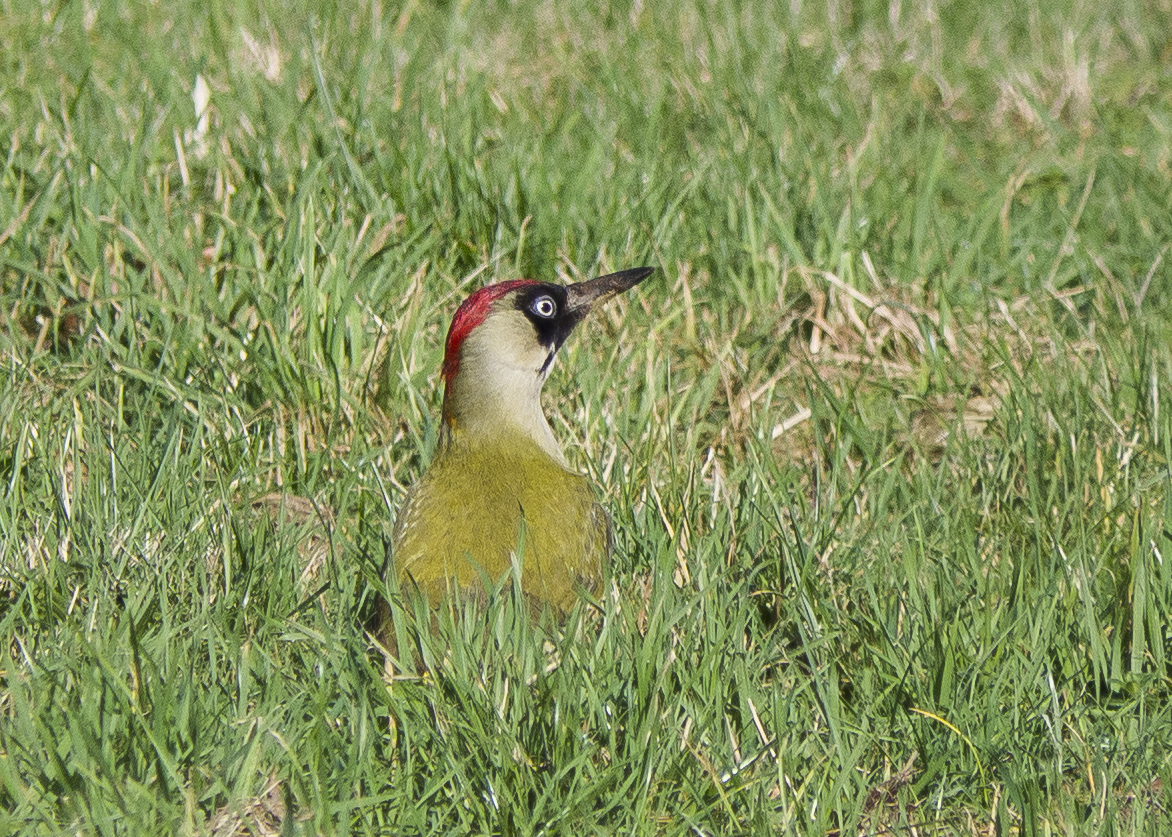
(475, 507)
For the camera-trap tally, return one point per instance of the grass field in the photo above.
(886, 439)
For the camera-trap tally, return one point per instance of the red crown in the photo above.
(471, 313)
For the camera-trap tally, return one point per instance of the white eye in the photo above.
(544, 306)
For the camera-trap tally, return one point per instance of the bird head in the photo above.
(500, 349)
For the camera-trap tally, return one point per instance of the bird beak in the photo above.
(581, 297)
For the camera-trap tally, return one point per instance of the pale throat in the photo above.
(495, 395)
(498, 405)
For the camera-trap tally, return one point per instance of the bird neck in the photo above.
(502, 408)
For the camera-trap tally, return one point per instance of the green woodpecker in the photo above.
(499, 493)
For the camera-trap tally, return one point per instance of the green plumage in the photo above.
(479, 503)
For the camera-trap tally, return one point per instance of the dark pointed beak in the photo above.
(583, 296)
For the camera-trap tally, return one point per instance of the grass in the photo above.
(886, 440)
